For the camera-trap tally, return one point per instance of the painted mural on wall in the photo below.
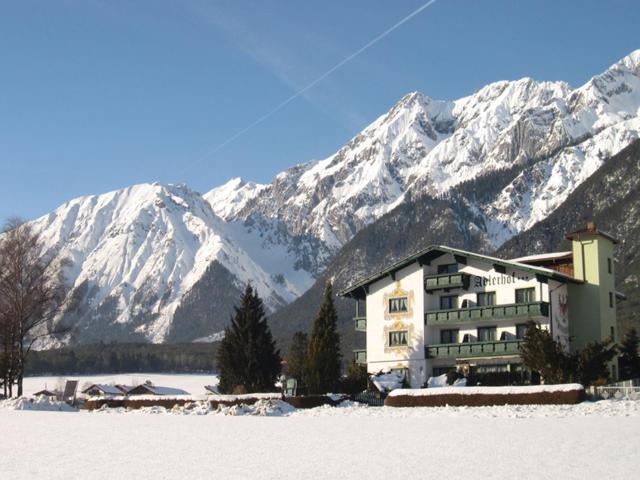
(398, 303)
(560, 315)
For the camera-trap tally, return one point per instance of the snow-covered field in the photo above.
(272, 440)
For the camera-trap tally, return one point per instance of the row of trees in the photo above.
(122, 358)
(32, 289)
(248, 360)
(542, 354)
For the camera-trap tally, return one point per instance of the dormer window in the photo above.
(398, 305)
(447, 268)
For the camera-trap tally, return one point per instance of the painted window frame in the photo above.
(398, 332)
(393, 300)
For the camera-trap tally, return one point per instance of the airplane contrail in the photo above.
(341, 63)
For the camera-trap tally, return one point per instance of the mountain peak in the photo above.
(632, 61)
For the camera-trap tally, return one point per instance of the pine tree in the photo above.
(297, 357)
(542, 354)
(629, 355)
(591, 362)
(323, 360)
(247, 358)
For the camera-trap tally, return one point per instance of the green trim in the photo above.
(360, 324)
(446, 281)
(473, 349)
(490, 312)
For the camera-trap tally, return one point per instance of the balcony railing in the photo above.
(473, 349)
(360, 324)
(360, 356)
(491, 312)
(446, 281)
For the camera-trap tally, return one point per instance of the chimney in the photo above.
(591, 227)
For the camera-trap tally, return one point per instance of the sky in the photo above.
(96, 95)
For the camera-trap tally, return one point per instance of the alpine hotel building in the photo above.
(444, 308)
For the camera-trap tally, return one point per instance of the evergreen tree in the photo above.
(323, 360)
(297, 357)
(542, 354)
(591, 363)
(356, 379)
(629, 356)
(247, 359)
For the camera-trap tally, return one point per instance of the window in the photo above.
(448, 302)
(492, 368)
(613, 333)
(611, 299)
(398, 338)
(521, 330)
(525, 295)
(449, 336)
(609, 265)
(448, 268)
(487, 334)
(486, 298)
(398, 305)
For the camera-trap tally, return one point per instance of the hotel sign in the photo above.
(493, 280)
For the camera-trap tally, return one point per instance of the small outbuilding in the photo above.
(147, 389)
(47, 393)
(102, 390)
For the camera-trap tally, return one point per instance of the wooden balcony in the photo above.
(491, 312)
(360, 356)
(473, 349)
(360, 324)
(446, 281)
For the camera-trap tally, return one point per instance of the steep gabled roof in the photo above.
(434, 251)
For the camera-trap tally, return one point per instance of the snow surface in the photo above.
(444, 390)
(590, 440)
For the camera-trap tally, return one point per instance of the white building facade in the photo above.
(446, 309)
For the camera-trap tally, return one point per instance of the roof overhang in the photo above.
(360, 289)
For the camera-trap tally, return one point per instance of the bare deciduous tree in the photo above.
(32, 291)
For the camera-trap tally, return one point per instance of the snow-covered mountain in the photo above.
(144, 253)
(557, 136)
(137, 252)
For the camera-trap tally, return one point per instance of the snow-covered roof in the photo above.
(156, 390)
(385, 382)
(542, 257)
(106, 389)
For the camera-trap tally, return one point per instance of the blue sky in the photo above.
(96, 95)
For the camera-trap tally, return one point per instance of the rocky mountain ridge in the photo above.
(487, 167)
